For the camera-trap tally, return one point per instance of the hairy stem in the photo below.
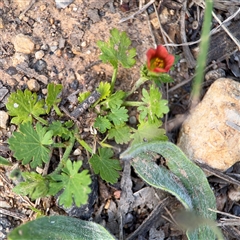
(114, 77)
(133, 104)
(137, 84)
(65, 155)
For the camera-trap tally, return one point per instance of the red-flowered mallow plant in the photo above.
(159, 60)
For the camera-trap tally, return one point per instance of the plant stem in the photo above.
(137, 84)
(114, 77)
(65, 155)
(133, 104)
(41, 120)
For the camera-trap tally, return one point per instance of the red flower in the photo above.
(159, 60)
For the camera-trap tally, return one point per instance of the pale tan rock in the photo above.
(3, 119)
(23, 44)
(33, 85)
(211, 133)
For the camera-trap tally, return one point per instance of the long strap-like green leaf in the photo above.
(189, 174)
(60, 228)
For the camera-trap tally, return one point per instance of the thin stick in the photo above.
(213, 31)
(227, 31)
(224, 213)
(191, 78)
(13, 214)
(164, 34)
(151, 31)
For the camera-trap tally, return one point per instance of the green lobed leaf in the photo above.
(118, 115)
(155, 107)
(52, 96)
(117, 50)
(190, 175)
(105, 166)
(121, 134)
(148, 132)
(34, 185)
(102, 124)
(60, 228)
(75, 184)
(115, 100)
(31, 145)
(83, 96)
(58, 129)
(23, 106)
(104, 90)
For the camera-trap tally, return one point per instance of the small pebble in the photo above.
(74, 84)
(132, 120)
(33, 85)
(39, 54)
(236, 210)
(129, 218)
(53, 48)
(45, 47)
(12, 71)
(37, 47)
(51, 20)
(83, 44)
(77, 152)
(44, 91)
(61, 43)
(74, 9)
(43, 7)
(40, 65)
(58, 52)
(63, 4)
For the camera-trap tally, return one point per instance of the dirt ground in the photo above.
(67, 39)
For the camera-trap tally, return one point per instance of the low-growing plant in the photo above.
(35, 139)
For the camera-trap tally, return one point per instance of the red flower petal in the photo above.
(161, 53)
(151, 53)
